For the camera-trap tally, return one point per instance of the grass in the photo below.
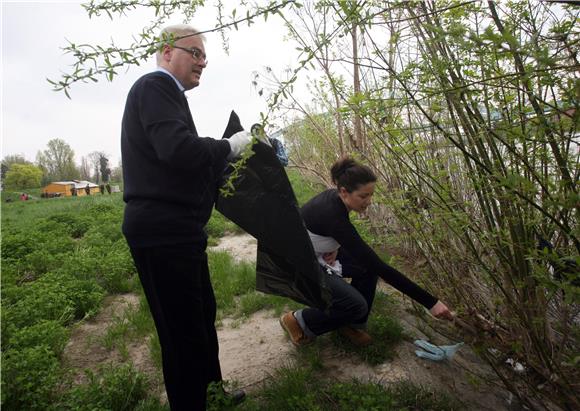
(302, 388)
(304, 190)
(112, 388)
(385, 329)
(62, 256)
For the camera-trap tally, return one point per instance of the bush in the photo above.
(75, 225)
(112, 268)
(55, 296)
(29, 378)
(118, 270)
(16, 245)
(49, 333)
(218, 226)
(40, 262)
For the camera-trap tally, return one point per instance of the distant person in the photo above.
(108, 187)
(88, 190)
(171, 177)
(343, 253)
(73, 191)
(102, 188)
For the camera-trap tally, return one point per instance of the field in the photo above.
(73, 315)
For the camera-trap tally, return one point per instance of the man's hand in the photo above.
(238, 143)
(440, 310)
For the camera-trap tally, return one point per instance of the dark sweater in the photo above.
(170, 173)
(326, 215)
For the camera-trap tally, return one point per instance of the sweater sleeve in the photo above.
(345, 233)
(165, 121)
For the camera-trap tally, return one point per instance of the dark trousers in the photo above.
(181, 299)
(351, 303)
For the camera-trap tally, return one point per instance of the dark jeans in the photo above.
(181, 299)
(351, 303)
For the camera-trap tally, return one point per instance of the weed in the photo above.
(140, 318)
(289, 389)
(217, 399)
(299, 388)
(116, 334)
(304, 189)
(385, 330)
(29, 378)
(49, 333)
(155, 350)
(218, 226)
(151, 404)
(229, 280)
(415, 397)
(255, 301)
(113, 388)
(55, 296)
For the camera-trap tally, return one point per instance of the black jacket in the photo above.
(170, 173)
(325, 214)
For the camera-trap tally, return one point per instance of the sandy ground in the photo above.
(252, 350)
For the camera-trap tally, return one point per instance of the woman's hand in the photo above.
(440, 310)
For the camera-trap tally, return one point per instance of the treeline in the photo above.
(56, 163)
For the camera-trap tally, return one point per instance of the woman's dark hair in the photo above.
(348, 173)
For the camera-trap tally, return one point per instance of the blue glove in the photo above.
(436, 352)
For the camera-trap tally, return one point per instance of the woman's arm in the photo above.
(351, 241)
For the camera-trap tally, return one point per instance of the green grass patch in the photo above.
(112, 388)
(256, 301)
(301, 388)
(304, 189)
(30, 378)
(218, 226)
(230, 280)
(385, 330)
(46, 332)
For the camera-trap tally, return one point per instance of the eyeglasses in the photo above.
(195, 53)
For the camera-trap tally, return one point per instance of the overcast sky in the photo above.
(33, 34)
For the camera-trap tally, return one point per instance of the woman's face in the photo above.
(359, 199)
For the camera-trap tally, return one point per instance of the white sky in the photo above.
(33, 34)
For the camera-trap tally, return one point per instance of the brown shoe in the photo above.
(291, 326)
(358, 337)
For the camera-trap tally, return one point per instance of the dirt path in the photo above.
(252, 350)
(86, 348)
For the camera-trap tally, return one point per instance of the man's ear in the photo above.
(166, 52)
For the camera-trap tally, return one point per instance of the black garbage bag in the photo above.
(264, 205)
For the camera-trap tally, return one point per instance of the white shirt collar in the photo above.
(181, 88)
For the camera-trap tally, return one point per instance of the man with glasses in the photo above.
(171, 178)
